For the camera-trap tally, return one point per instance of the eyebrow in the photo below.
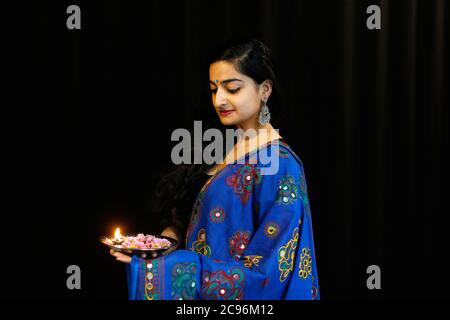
(226, 81)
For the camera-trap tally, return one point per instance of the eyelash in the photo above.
(229, 90)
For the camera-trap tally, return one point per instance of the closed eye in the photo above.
(233, 90)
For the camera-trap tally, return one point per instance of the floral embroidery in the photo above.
(223, 285)
(243, 180)
(288, 191)
(217, 215)
(271, 229)
(183, 281)
(152, 280)
(238, 244)
(286, 256)
(200, 245)
(251, 260)
(305, 263)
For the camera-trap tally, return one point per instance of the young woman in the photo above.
(250, 234)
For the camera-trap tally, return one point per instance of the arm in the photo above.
(171, 232)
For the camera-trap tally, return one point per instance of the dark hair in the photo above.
(250, 57)
(175, 195)
(177, 191)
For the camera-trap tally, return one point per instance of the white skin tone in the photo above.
(240, 94)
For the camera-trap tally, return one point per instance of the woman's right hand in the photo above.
(170, 232)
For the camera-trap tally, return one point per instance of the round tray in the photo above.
(150, 253)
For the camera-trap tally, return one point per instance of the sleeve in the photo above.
(278, 262)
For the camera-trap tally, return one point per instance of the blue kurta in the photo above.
(250, 237)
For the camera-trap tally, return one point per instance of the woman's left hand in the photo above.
(120, 256)
(126, 258)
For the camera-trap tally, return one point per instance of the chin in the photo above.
(228, 122)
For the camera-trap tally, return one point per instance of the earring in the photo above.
(264, 114)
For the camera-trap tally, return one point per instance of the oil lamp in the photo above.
(117, 237)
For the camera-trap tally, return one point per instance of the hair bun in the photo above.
(261, 46)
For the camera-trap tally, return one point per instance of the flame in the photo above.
(117, 234)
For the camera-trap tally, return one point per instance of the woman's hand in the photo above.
(126, 258)
(171, 233)
(120, 256)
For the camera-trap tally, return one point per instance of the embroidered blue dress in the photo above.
(250, 237)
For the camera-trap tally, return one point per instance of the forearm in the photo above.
(172, 232)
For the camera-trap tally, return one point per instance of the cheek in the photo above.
(246, 104)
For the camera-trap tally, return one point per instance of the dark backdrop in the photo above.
(88, 115)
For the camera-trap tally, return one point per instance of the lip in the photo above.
(225, 112)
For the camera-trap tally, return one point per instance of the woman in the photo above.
(250, 234)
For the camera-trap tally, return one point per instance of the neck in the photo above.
(264, 133)
(246, 145)
(253, 124)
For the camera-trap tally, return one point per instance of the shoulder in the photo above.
(280, 175)
(278, 158)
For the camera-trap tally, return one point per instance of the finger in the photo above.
(124, 258)
(119, 255)
(113, 253)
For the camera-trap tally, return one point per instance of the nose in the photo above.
(220, 98)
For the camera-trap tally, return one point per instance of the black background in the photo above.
(88, 115)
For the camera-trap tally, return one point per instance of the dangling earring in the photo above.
(264, 114)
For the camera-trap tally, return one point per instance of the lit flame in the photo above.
(117, 234)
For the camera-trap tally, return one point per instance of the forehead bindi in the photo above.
(225, 81)
(224, 72)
